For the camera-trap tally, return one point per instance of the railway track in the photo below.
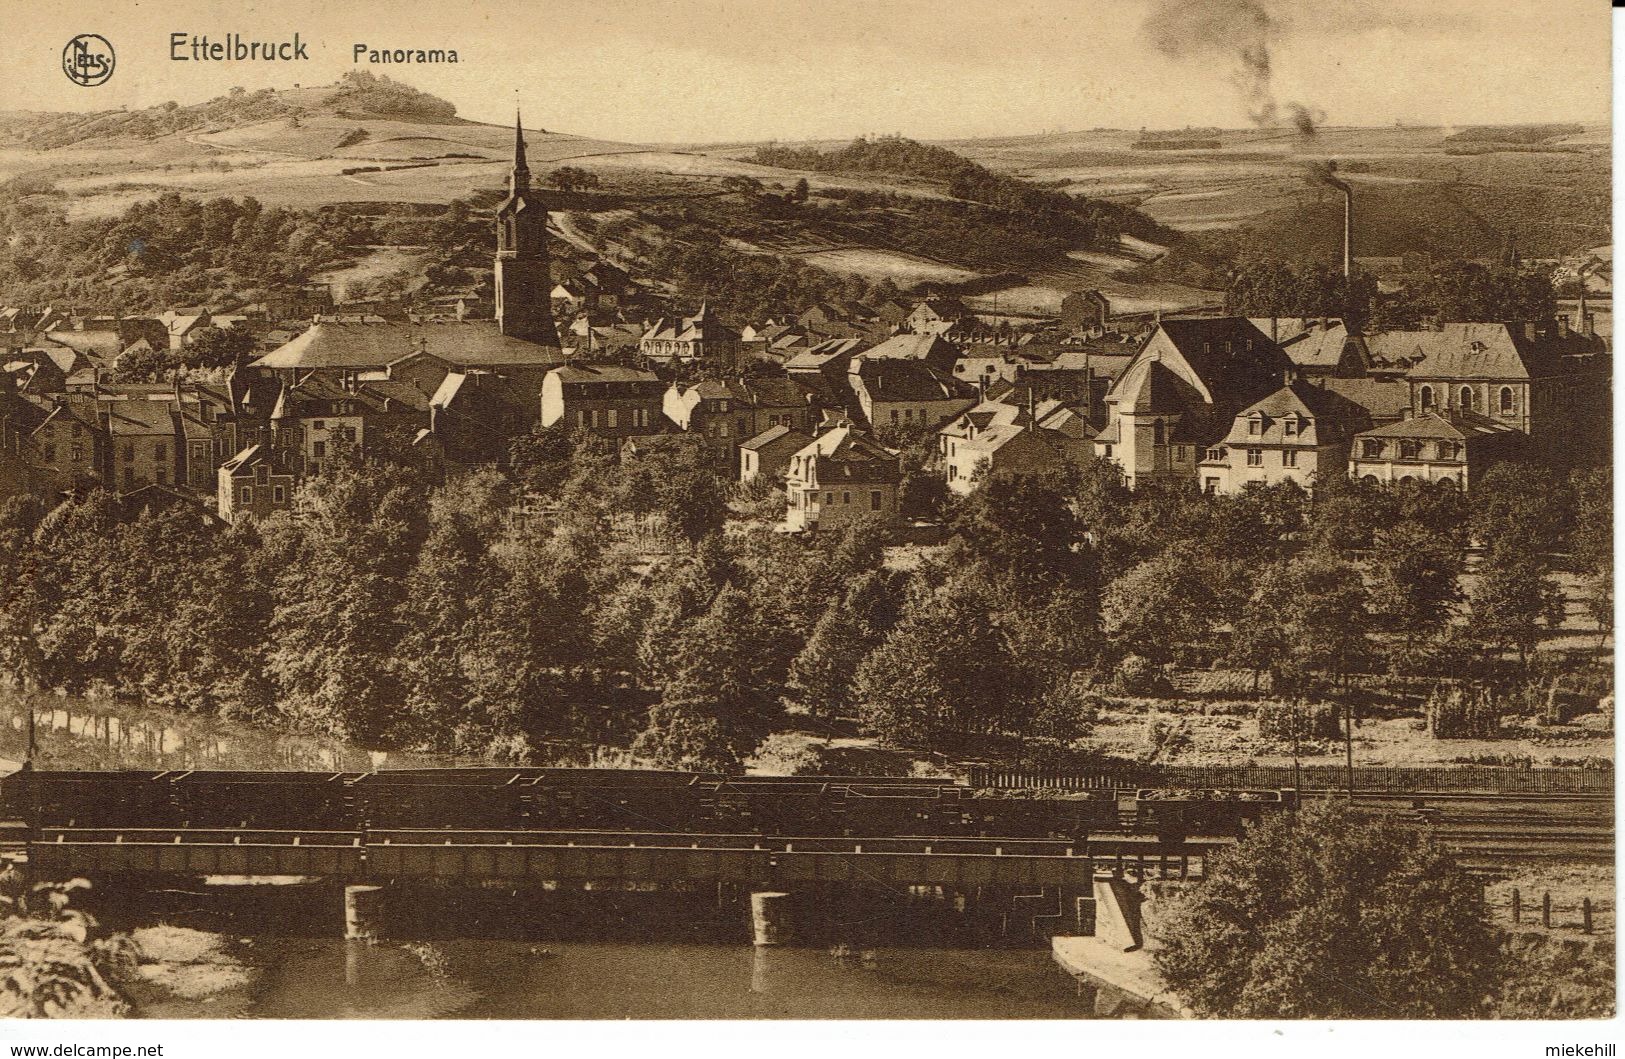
(1490, 827)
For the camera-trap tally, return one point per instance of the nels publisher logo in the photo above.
(88, 60)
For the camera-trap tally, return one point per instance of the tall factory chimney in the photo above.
(1348, 231)
(1325, 174)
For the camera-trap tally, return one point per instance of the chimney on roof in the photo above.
(1531, 330)
(1562, 326)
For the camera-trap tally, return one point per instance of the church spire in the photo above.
(520, 179)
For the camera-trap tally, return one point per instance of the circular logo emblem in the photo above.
(88, 60)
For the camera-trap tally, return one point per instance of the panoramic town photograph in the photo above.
(807, 509)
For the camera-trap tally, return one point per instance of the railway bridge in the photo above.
(586, 829)
(1050, 858)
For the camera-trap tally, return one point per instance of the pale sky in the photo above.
(713, 70)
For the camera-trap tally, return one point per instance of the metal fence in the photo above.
(1309, 777)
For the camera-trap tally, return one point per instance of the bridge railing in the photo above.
(1309, 777)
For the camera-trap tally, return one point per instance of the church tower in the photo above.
(523, 287)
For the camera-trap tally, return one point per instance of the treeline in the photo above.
(362, 92)
(170, 250)
(1454, 291)
(701, 266)
(1524, 134)
(1095, 223)
(572, 599)
(1366, 579)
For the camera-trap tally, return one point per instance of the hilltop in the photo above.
(358, 95)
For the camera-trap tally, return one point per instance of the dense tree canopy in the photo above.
(1324, 914)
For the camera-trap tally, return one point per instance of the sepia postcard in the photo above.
(806, 510)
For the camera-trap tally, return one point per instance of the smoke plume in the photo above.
(1238, 33)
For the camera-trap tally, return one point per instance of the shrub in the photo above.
(1506, 761)
(1163, 738)
(1464, 711)
(1285, 721)
(788, 754)
(1067, 709)
(1136, 675)
(1590, 761)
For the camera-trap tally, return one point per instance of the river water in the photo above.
(462, 959)
(467, 979)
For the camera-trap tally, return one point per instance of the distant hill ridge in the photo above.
(358, 94)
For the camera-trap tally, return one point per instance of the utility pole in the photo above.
(1297, 766)
(1348, 741)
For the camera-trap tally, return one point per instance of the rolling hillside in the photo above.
(1448, 191)
(370, 145)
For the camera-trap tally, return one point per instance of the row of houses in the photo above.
(1221, 402)
(1230, 402)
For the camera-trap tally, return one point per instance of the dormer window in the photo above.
(1255, 425)
(1289, 426)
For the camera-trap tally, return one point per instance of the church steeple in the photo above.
(523, 286)
(519, 179)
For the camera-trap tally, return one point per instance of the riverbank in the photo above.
(186, 973)
(1132, 972)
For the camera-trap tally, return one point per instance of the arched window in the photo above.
(1466, 398)
(1427, 398)
(1158, 435)
(1508, 402)
(1369, 479)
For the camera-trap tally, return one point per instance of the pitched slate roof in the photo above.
(104, 345)
(1457, 425)
(1331, 415)
(703, 326)
(1482, 351)
(138, 416)
(890, 381)
(775, 436)
(473, 343)
(602, 373)
(1381, 398)
(772, 391)
(913, 347)
(1216, 346)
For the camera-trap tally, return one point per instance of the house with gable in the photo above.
(1449, 447)
(1180, 393)
(768, 454)
(702, 337)
(841, 476)
(936, 315)
(998, 439)
(253, 483)
(1300, 433)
